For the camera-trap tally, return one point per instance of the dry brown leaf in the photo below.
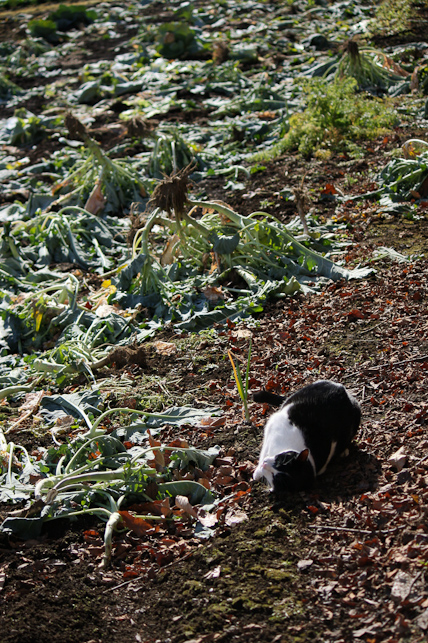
(206, 518)
(170, 250)
(165, 348)
(414, 81)
(402, 586)
(138, 525)
(158, 455)
(398, 459)
(28, 408)
(225, 470)
(96, 200)
(235, 516)
(165, 507)
(224, 480)
(32, 400)
(65, 421)
(213, 294)
(212, 422)
(213, 573)
(205, 482)
(183, 503)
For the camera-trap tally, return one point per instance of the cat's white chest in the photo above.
(280, 435)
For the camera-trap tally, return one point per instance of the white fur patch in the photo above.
(330, 455)
(280, 435)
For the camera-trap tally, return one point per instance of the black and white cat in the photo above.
(313, 424)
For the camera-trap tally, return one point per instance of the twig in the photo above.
(421, 358)
(131, 580)
(367, 330)
(355, 530)
(16, 424)
(416, 464)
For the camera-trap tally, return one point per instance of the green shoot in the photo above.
(242, 389)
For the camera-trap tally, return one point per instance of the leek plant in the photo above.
(240, 385)
(98, 182)
(370, 67)
(96, 475)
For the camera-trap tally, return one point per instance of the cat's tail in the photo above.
(263, 397)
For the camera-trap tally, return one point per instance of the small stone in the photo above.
(304, 564)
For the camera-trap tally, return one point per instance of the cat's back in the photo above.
(323, 403)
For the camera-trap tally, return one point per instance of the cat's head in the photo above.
(287, 471)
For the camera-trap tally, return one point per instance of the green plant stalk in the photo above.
(52, 485)
(94, 431)
(102, 512)
(247, 372)
(247, 223)
(242, 390)
(83, 448)
(114, 520)
(18, 388)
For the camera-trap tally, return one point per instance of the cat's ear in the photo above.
(303, 456)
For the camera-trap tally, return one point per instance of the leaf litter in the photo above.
(76, 306)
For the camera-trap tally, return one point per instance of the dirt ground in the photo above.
(346, 561)
(322, 565)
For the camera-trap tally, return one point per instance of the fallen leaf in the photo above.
(304, 564)
(96, 200)
(206, 518)
(402, 586)
(32, 400)
(213, 573)
(422, 620)
(165, 507)
(158, 455)
(329, 189)
(183, 503)
(212, 422)
(213, 294)
(170, 250)
(242, 333)
(138, 525)
(398, 459)
(235, 516)
(355, 314)
(105, 310)
(165, 348)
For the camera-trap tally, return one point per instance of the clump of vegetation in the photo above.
(12, 4)
(335, 114)
(44, 29)
(63, 19)
(67, 17)
(25, 128)
(397, 17)
(98, 182)
(175, 39)
(170, 154)
(406, 178)
(7, 87)
(371, 68)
